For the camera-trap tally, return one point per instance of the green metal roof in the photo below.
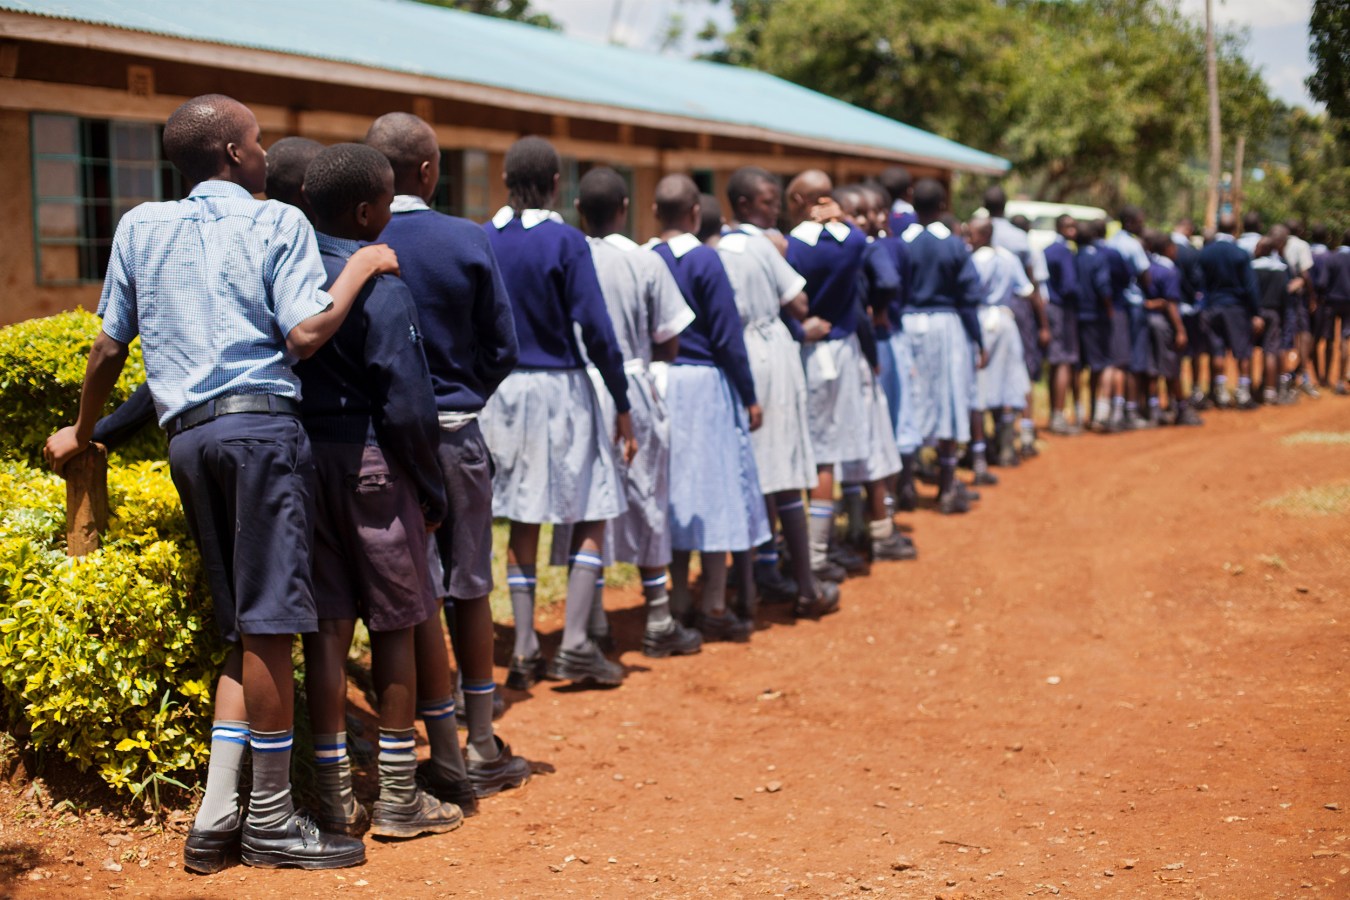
(418, 39)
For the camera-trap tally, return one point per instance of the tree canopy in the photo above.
(1329, 29)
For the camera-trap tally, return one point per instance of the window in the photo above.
(463, 189)
(86, 174)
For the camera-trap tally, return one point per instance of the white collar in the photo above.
(936, 229)
(1161, 260)
(681, 244)
(734, 242)
(407, 203)
(528, 217)
(900, 207)
(623, 242)
(1225, 238)
(750, 229)
(809, 232)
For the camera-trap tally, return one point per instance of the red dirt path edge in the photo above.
(1119, 677)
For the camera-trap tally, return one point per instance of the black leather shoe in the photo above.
(604, 641)
(774, 586)
(907, 499)
(585, 666)
(209, 851)
(525, 672)
(895, 548)
(423, 815)
(855, 565)
(458, 791)
(674, 641)
(496, 775)
(353, 825)
(726, 627)
(830, 571)
(299, 843)
(953, 503)
(985, 478)
(825, 602)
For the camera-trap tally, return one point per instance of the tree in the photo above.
(1329, 28)
(516, 10)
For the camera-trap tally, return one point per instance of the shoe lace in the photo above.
(308, 826)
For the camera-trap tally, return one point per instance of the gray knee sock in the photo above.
(398, 763)
(792, 520)
(658, 604)
(438, 716)
(586, 568)
(714, 582)
(855, 511)
(334, 771)
(599, 622)
(520, 580)
(269, 805)
(478, 696)
(220, 804)
(747, 599)
(681, 601)
(822, 523)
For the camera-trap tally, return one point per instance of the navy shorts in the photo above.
(1122, 338)
(1063, 349)
(1340, 311)
(1163, 360)
(1272, 336)
(247, 486)
(370, 540)
(1230, 331)
(1094, 340)
(465, 538)
(1029, 330)
(1197, 334)
(1296, 321)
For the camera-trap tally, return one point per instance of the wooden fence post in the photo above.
(86, 500)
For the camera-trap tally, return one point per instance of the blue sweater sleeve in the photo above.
(724, 327)
(586, 306)
(404, 403)
(970, 300)
(1250, 292)
(882, 277)
(497, 351)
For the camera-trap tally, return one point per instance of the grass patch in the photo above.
(1316, 437)
(1323, 500)
(552, 586)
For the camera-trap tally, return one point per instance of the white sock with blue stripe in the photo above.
(269, 804)
(657, 595)
(478, 696)
(821, 524)
(398, 765)
(220, 803)
(333, 769)
(587, 566)
(520, 582)
(438, 716)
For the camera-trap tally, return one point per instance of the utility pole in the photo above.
(1215, 138)
(1238, 162)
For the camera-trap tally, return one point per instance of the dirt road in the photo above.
(1122, 676)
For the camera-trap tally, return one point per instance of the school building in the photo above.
(85, 86)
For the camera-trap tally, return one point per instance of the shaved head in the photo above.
(805, 190)
(197, 135)
(1228, 223)
(930, 198)
(405, 140)
(675, 199)
(981, 231)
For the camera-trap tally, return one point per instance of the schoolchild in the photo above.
(941, 320)
(1297, 253)
(1002, 385)
(369, 411)
(1231, 315)
(237, 450)
(470, 346)
(716, 506)
(900, 185)
(1273, 287)
(1190, 284)
(766, 286)
(648, 313)
(1333, 289)
(1167, 332)
(1096, 324)
(553, 451)
(1141, 407)
(1061, 312)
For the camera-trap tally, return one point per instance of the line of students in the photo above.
(647, 402)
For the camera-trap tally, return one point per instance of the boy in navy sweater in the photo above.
(471, 347)
(371, 417)
(1231, 314)
(1061, 313)
(553, 451)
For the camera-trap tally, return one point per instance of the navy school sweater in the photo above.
(469, 331)
(1228, 276)
(829, 258)
(939, 276)
(1094, 282)
(550, 277)
(372, 372)
(715, 337)
(1062, 284)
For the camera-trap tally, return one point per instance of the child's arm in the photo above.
(305, 338)
(971, 298)
(496, 348)
(726, 336)
(105, 363)
(585, 305)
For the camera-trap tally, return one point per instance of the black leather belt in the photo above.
(232, 404)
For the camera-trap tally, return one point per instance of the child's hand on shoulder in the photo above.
(380, 258)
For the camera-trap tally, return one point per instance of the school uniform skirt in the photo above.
(782, 444)
(896, 380)
(641, 535)
(1003, 381)
(943, 372)
(552, 448)
(836, 383)
(883, 457)
(715, 500)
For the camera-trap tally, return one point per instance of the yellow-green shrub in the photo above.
(108, 659)
(41, 370)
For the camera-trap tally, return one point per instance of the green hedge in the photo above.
(108, 659)
(41, 370)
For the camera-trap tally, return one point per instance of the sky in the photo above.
(1277, 45)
